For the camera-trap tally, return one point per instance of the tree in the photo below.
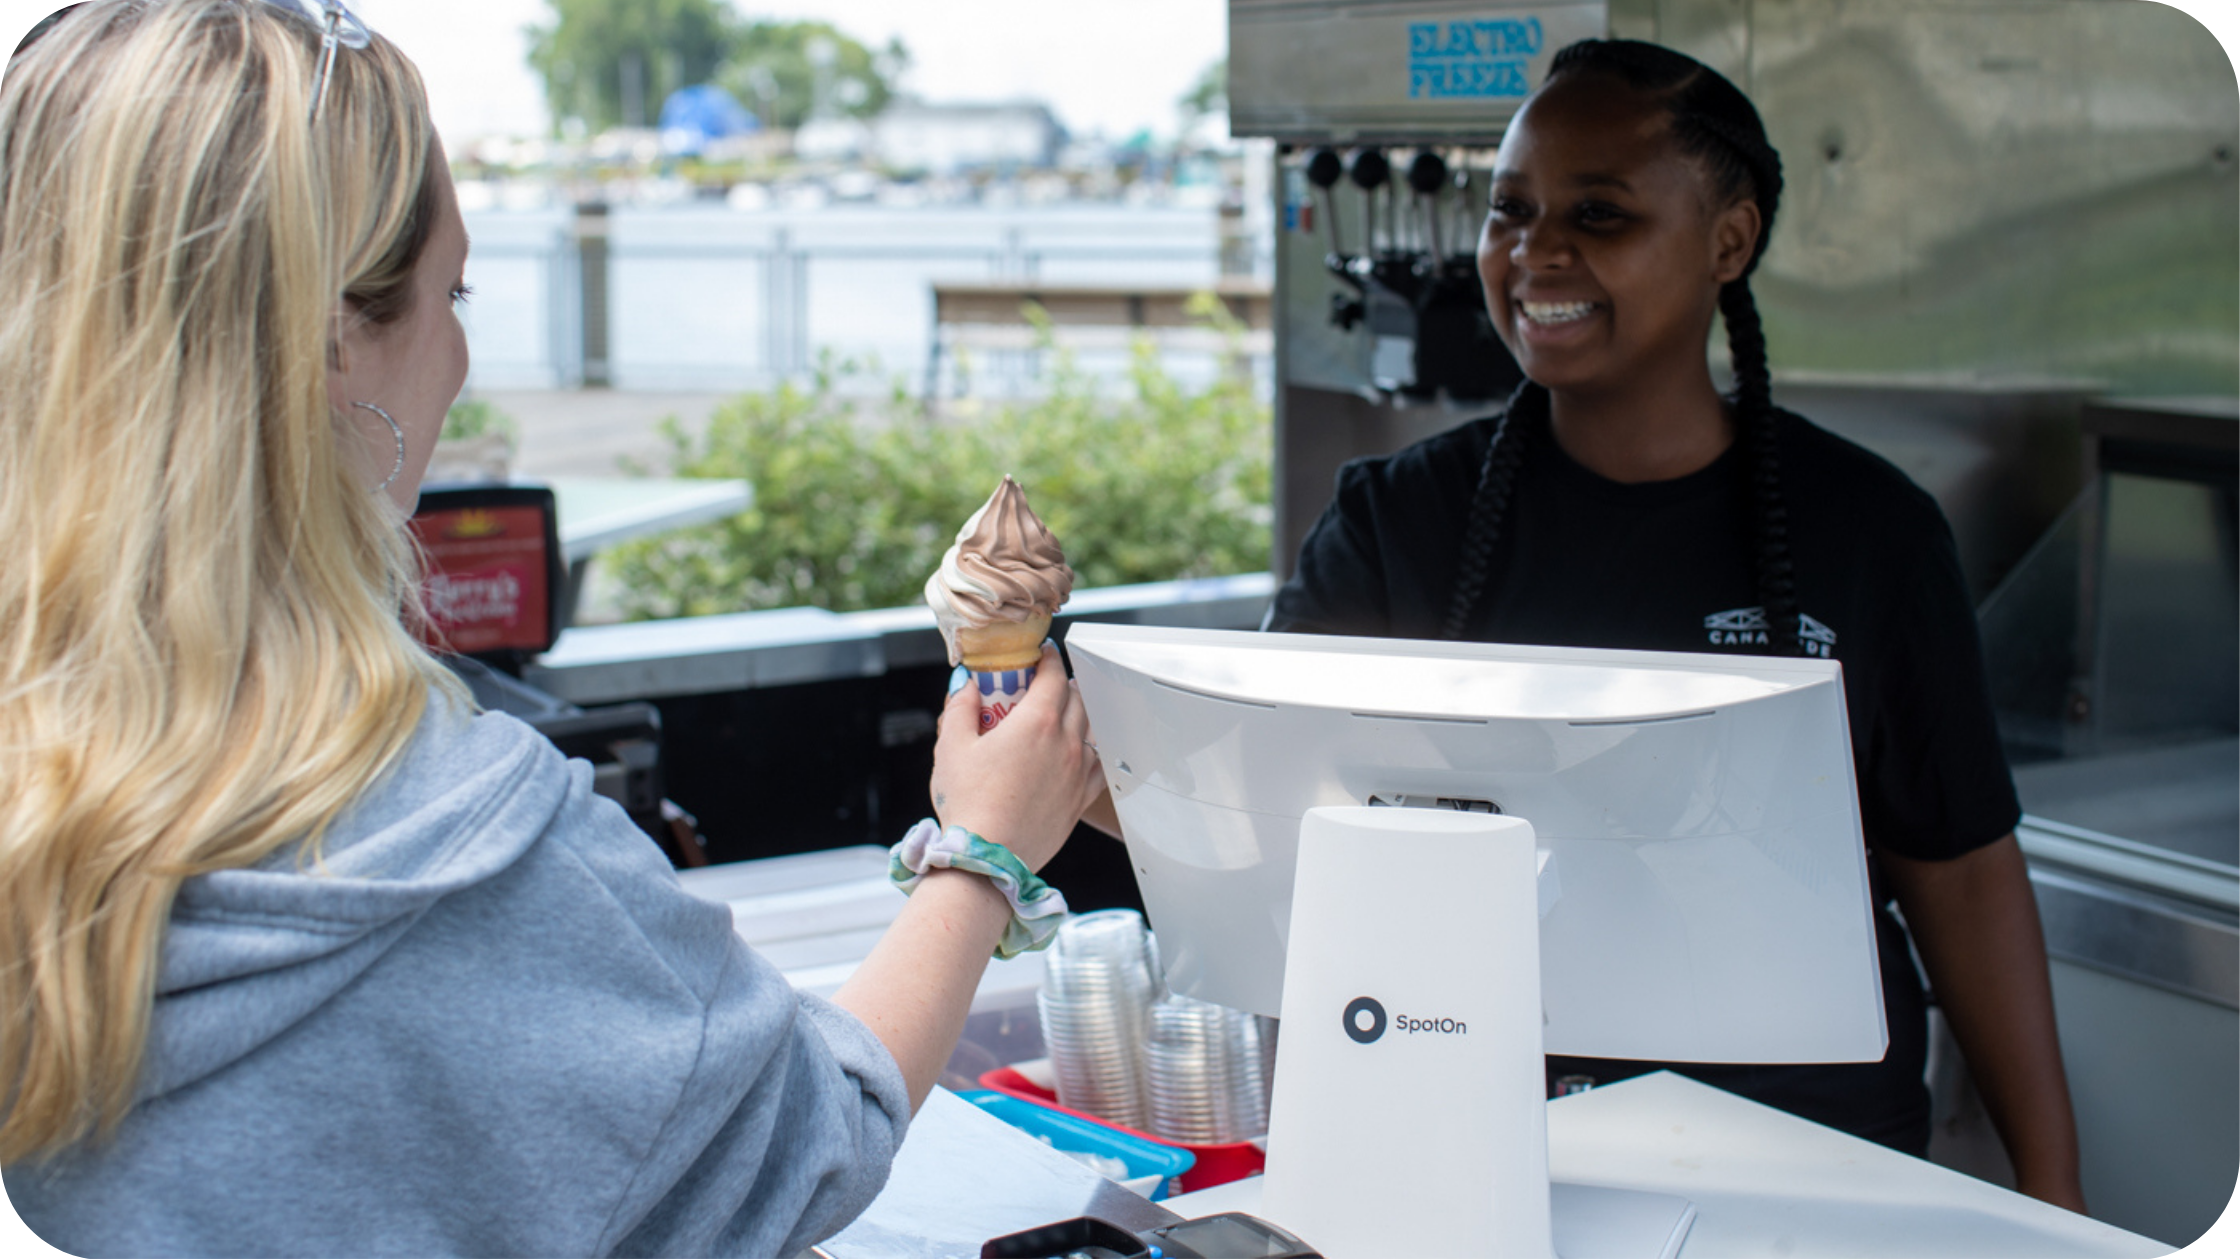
(1209, 95)
(788, 72)
(612, 62)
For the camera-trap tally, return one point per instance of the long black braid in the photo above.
(1715, 123)
(1526, 413)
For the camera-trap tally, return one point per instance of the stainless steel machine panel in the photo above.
(1366, 70)
(1999, 192)
(2037, 194)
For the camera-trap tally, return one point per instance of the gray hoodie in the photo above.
(491, 1025)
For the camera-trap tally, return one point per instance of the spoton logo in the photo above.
(1454, 1026)
(1364, 1031)
(1366, 1021)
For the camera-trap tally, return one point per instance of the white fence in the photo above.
(709, 298)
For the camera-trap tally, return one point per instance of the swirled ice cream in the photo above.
(999, 584)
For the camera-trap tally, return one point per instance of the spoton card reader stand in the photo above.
(1410, 1107)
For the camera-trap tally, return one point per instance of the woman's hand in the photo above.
(1021, 785)
(1024, 784)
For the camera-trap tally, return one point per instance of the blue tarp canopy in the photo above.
(693, 116)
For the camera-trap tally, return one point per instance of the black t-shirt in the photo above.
(1583, 561)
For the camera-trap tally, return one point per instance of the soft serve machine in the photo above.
(1386, 117)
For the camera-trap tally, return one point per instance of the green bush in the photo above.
(473, 417)
(853, 511)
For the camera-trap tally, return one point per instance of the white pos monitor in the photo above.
(1705, 896)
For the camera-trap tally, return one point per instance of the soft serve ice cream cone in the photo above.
(994, 594)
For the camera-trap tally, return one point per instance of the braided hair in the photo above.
(1713, 122)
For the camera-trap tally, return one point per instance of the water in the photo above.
(705, 297)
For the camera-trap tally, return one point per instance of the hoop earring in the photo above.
(395, 428)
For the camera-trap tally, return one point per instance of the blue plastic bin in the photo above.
(1143, 1157)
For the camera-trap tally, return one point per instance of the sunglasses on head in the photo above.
(338, 28)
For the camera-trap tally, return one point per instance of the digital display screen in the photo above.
(1229, 1234)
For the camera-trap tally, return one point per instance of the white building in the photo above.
(944, 139)
(831, 140)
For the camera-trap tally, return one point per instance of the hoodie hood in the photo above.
(251, 952)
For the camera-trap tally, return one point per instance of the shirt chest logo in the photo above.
(1746, 627)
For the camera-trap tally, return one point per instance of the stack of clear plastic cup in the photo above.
(1207, 1076)
(1098, 984)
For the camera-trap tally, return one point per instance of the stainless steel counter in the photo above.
(2145, 946)
(2147, 913)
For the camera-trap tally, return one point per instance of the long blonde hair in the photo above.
(200, 594)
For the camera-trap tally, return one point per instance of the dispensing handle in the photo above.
(1427, 175)
(1465, 226)
(1324, 167)
(1369, 168)
(1369, 171)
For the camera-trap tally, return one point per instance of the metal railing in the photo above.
(761, 299)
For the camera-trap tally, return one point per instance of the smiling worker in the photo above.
(1620, 500)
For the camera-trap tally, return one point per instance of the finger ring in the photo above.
(1090, 744)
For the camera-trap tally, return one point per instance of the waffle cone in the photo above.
(1006, 645)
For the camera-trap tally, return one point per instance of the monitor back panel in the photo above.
(1710, 884)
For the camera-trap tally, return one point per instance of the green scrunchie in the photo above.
(1036, 908)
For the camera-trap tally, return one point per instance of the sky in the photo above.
(1115, 67)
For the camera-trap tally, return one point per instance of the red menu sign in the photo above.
(486, 577)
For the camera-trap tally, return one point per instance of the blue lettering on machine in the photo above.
(1484, 59)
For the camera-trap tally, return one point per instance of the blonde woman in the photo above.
(297, 954)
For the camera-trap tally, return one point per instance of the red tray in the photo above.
(1222, 1162)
